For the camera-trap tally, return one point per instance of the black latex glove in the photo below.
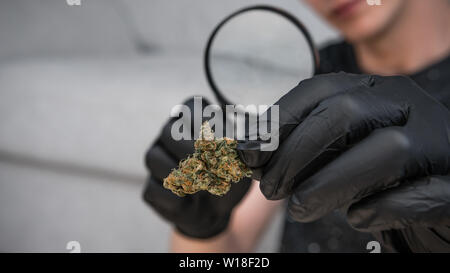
(201, 215)
(411, 217)
(345, 137)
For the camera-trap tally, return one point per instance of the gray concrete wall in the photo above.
(79, 106)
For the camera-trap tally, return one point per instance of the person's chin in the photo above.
(359, 34)
(360, 29)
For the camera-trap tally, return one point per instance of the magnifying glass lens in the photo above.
(257, 56)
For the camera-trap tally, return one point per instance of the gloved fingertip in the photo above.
(360, 218)
(305, 209)
(271, 190)
(257, 174)
(297, 211)
(266, 189)
(251, 154)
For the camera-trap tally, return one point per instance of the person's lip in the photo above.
(345, 9)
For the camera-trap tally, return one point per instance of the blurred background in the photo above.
(84, 90)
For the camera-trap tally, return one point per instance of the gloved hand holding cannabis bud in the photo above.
(200, 214)
(213, 167)
(381, 144)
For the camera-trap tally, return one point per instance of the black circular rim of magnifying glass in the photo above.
(222, 99)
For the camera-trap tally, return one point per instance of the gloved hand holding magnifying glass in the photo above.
(379, 144)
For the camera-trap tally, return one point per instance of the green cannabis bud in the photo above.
(214, 165)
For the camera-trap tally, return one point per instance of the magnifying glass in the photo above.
(257, 54)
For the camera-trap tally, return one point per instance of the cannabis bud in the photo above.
(214, 165)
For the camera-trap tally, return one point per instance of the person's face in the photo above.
(356, 19)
